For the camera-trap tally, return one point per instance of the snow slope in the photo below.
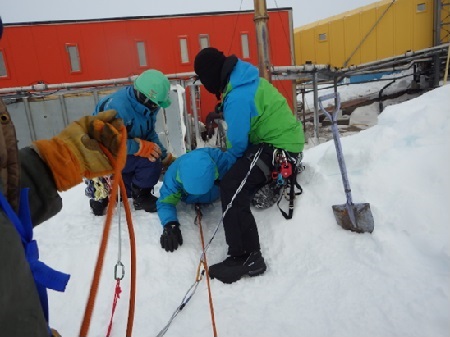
(321, 280)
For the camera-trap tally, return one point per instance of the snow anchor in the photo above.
(354, 217)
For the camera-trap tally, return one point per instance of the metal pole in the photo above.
(303, 109)
(195, 112)
(446, 65)
(335, 83)
(262, 39)
(436, 41)
(187, 120)
(26, 102)
(65, 118)
(437, 23)
(316, 108)
(96, 97)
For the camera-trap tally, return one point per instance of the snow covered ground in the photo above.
(321, 280)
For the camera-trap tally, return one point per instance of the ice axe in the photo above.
(355, 217)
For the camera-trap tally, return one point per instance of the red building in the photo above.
(77, 51)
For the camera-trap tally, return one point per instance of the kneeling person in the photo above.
(192, 178)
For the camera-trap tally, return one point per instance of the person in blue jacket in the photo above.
(259, 122)
(137, 105)
(192, 178)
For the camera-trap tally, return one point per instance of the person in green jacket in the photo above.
(259, 120)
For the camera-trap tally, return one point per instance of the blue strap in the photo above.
(44, 276)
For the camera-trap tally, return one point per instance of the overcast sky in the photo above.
(304, 12)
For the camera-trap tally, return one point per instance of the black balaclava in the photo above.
(208, 66)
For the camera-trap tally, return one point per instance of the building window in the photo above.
(421, 7)
(245, 46)
(204, 41)
(184, 50)
(3, 72)
(323, 37)
(74, 58)
(140, 45)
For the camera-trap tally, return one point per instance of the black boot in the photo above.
(98, 207)
(233, 268)
(143, 199)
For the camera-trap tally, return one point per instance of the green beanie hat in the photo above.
(155, 86)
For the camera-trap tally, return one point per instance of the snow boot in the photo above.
(99, 206)
(234, 267)
(143, 199)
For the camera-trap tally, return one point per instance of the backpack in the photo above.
(283, 182)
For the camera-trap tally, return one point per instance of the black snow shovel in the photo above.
(355, 217)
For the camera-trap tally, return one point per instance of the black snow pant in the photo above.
(239, 223)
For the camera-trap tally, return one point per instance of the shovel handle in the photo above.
(334, 95)
(337, 142)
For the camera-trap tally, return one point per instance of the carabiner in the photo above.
(116, 269)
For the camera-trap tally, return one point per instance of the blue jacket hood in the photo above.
(198, 173)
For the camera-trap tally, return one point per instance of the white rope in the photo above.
(119, 269)
(252, 164)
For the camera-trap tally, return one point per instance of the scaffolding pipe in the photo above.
(303, 109)
(187, 137)
(93, 83)
(60, 86)
(407, 55)
(279, 70)
(446, 65)
(437, 41)
(195, 112)
(397, 68)
(26, 102)
(316, 108)
(262, 39)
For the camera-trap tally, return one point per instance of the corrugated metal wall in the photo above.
(402, 25)
(43, 118)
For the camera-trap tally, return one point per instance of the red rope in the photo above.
(114, 305)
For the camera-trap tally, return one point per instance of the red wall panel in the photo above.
(107, 48)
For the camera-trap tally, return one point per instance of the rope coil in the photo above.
(118, 166)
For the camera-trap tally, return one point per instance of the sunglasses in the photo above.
(152, 106)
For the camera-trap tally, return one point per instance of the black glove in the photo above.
(209, 123)
(212, 116)
(171, 237)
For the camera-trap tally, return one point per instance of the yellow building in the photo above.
(380, 30)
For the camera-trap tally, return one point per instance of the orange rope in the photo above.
(118, 166)
(132, 301)
(205, 266)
